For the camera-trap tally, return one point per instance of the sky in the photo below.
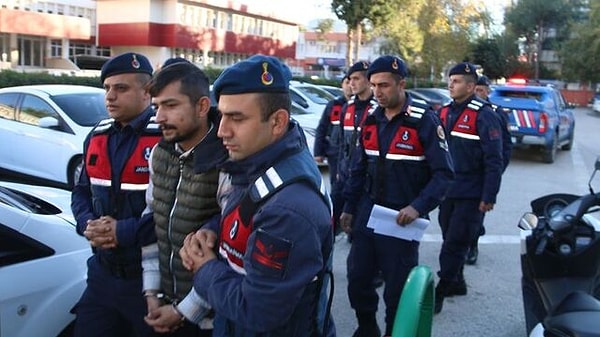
(306, 12)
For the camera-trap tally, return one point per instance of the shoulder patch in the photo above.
(270, 254)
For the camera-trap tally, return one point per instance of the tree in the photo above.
(581, 53)
(358, 13)
(531, 19)
(487, 53)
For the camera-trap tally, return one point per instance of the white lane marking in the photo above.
(486, 239)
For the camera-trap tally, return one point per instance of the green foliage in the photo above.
(10, 78)
(580, 54)
(487, 53)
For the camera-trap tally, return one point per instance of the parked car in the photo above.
(538, 116)
(434, 103)
(438, 94)
(596, 102)
(310, 97)
(335, 91)
(42, 261)
(42, 129)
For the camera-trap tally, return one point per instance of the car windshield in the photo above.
(316, 94)
(538, 96)
(85, 109)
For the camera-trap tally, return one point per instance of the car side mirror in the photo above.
(48, 123)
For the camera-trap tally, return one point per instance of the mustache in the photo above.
(167, 127)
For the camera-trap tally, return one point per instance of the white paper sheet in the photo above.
(383, 221)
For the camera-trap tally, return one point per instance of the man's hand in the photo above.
(164, 319)
(406, 215)
(102, 232)
(346, 222)
(198, 248)
(485, 207)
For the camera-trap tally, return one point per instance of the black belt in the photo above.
(119, 270)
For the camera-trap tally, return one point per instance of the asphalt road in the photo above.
(493, 305)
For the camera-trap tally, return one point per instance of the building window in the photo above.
(5, 47)
(31, 51)
(56, 48)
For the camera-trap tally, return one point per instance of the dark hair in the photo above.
(143, 79)
(271, 102)
(194, 83)
(471, 78)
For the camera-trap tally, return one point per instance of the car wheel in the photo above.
(569, 145)
(550, 152)
(74, 171)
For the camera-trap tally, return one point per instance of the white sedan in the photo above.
(42, 129)
(42, 261)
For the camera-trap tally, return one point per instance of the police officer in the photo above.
(401, 162)
(475, 142)
(326, 146)
(482, 90)
(108, 201)
(275, 237)
(353, 115)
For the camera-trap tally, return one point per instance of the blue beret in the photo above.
(464, 68)
(258, 73)
(358, 66)
(388, 64)
(174, 60)
(483, 80)
(126, 63)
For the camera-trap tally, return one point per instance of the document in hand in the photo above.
(383, 221)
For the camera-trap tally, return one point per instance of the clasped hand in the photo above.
(102, 232)
(198, 249)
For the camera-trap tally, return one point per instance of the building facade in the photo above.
(324, 54)
(80, 34)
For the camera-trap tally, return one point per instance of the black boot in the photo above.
(458, 288)
(441, 291)
(367, 325)
(472, 254)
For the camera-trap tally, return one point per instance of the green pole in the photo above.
(415, 309)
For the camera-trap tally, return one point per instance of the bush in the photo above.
(11, 78)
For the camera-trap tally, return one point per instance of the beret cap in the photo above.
(259, 73)
(358, 66)
(483, 80)
(388, 64)
(464, 68)
(126, 63)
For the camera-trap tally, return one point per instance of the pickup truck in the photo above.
(538, 116)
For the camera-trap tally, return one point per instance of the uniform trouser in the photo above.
(371, 253)
(111, 306)
(336, 190)
(460, 221)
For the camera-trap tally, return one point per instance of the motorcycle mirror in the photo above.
(528, 221)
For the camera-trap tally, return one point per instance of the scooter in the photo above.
(560, 264)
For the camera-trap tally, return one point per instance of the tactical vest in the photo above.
(404, 147)
(336, 110)
(134, 175)
(465, 125)
(351, 126)
(237, 225)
